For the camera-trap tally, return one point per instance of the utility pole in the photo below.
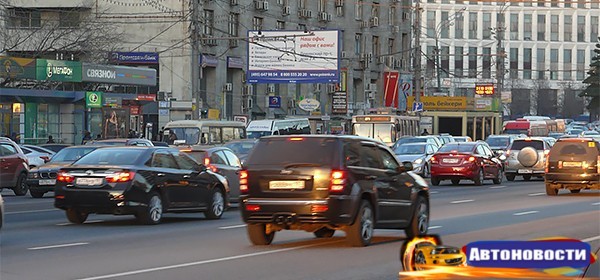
(500, 58)
(417, 54)
(195, 30)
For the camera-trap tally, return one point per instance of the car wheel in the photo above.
(435, 181)
(526, 177)
(36, 194)
(324, 232)
(420, 220)
(76, 216)
(258, 234)
(217, 205)
(510, 177)
(575, 191)
(498, 179)
(361, 232)
(551, 190)
(21, 188)
(455, 181)
(420, 261)
(426, 171)
(478, 180)
(152, 214)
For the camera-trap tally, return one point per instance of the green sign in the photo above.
(93, 99)
(58, 70)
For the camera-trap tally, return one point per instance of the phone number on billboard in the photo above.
(285, 74)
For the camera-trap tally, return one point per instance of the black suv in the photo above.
(321, 184)
(573, 164)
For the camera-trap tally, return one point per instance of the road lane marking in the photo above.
(591, 238)
(229, 227)
(462, 201)
(434, 192)
(134, 272)
(31, 211)
(58, 246)
(497, 187)
(525, 213)
(537, 194)
(434, 227)
(597, 203)
(86, 222)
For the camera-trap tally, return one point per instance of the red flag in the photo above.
(390, 84)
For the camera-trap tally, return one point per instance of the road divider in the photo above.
(596, 203)
(433, 227)
(58, 246)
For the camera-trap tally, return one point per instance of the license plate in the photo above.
(525, 171)
(89, 181)
(286, 185)
(450, 160)
(572, 164)
(47, 182)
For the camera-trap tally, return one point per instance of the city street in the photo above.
(38, 243)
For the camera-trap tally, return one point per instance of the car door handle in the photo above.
(161, 175)
(186, 176)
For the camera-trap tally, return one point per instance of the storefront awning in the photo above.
(39, 96)
(257, 111)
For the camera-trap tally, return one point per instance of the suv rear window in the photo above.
(297, 150)
(520, 144)
(578, 149)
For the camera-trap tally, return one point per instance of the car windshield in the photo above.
(520, 144)
(410, 150)
(379, 131)
(411, 140)
(445, 251)
(70, 154)
(456, 148)
(498, 141)
(241, 148)
(296, 150)
(257, 134)
(111, 156)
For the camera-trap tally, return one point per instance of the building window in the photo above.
(541, 3)
(444, 28)
(234, 23)
(595, 4)
(23, 18)
(472, 25)
(459, 26)
(392, 16)
(527, 63)
(567, 3)
(68, 19)
(541, 63)
(391, 45)
(431, 53)
(528, 3)
(594, 29)
(553, 3)
(209, 22)
(458, 62)
(553, 64)
(359, 10)
(554, 28)
(567, 61)
(280, 25)
(431, 24)
(487, 25)
(459, 1)
(322, 7)
(445, 61)
(358, 44)
(487, 63)
(568, 25)
(514, 26)
(580, 65)
(527, 27)
(375, 10)
(541, 28)
(302, 4)
(257, 23)
(514, 63)
(581, 4)
(376, 46)
(473, 62)
(581, 28)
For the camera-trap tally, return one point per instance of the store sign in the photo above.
(134, 110)
(58, 70)
(339, 103)
(440, 102)
(146, 97)
(309, 104)
(113, 101)
(93, 99)
(135, 57)
(235, 62)
(484, 89)
(274, 101)
(208, 60)
(122, 75)
(483, 103)
(17, 68)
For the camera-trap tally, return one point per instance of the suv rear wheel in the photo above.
(361, 232)
(258, 234)
(420, 221)
(510, 177)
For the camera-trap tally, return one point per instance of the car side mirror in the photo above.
(406, 166)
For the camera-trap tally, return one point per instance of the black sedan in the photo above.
(42, 179)
(143, 181)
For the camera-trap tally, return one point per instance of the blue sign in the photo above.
(274, 101)
(206, 60)
(135, 57)
(417, 107)
(295, 77)
(235, 62)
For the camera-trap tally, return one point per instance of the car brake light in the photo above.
(296, 139)
(211, 167)
(547, 166)
(598, 165)
(319, 208)
(243, 181)
(252, 207)
(338, 181)
(433, 160)
(560, 164)
(120, 177)
(471, 159)
(65, 177)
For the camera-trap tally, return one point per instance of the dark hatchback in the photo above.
(43, 179)
(573, 164)
(143, 181)
(321, 184)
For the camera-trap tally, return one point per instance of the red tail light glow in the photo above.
(319, 208)
(296, 139)
(252, 207)
(598, 165)
(209, 166)
(243, 181)
(120, 177)
(433, 160)
(65, 177)
(338, 181)
(547, 165)
(471, 159)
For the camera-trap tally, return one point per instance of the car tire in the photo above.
(21, 188)
(498, 179)
(435, 181)
(324, 232)
(455, 181)
(527, 177)
(217, 205)
(551, 190)
(257, 233)
(420, 260)
(76, 216)
(36, 194)
(426, 172)
(478, 180)
(361, 232)
(419, 223)
(575, 191)
(152, 213)
(510, 177)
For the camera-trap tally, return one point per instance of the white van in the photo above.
(259, 128)
(203, 132)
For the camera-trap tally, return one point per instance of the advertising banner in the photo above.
(390, 88)
(274, 101)
(339, 104)
(440, 102)
(93, 99)
(135, 57)
(293, 57)
(58, 70)
(17, 68)
(122, 75)
(115, 123)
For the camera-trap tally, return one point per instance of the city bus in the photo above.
(203, 132)
(385, 128)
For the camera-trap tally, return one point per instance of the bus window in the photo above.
(363, 129)
(215, 135)
(191, 135)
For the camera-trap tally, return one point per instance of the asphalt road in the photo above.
(38, 242)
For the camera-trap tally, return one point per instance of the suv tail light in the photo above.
(338, 181)
(243, 181)
(120, 177)
(65, 177)
(547, 164)
(598, 165)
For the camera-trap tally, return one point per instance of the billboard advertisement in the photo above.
(293, 57)
(58, 70)
(390, 88)
(118, 74)
(17, 68)
(135, 57)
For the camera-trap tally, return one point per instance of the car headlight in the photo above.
(33, 175)
(418, 161)
(502, 157)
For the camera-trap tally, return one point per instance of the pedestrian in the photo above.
(172, 137)
(99, 137)
(160, 134)
(87, 136)
(425, 133)
(50, 140)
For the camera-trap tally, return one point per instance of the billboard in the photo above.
(118, 74)
(293, 57)
(440, 102)
(58, 70)
(17, 68)
(134, 57)
(390, 88)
